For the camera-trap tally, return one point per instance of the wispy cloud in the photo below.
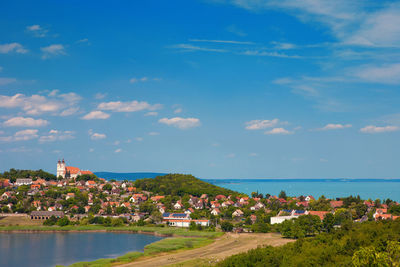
(53, 50)
(189, 47)
(96, 136)
(261, 124)
(23, 135)
(37, 30)
(57, 135)
(5, 81)
(388, 73)
(222, 41)
(236, 30)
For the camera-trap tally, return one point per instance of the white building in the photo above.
(69, 171)
(23, 181)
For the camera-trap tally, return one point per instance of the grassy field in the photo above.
(18, 220)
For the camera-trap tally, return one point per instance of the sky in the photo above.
(214, 88)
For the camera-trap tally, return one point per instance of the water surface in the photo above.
(50, 249)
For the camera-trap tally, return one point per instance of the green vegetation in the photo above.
(181, 184)
(13, 174)
(365, 244)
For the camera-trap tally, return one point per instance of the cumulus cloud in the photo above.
(25, 122)
(130, 106)
(53, 50)
(261, 124)
(118, 150)
(96, 115)
(278, 131)
(57, 135)
(181, 123)
(332, 126)
(372, 129)
(12, 47)
(58, 104)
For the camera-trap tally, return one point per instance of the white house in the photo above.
(23, 181)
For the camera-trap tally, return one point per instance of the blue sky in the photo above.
(219, 89)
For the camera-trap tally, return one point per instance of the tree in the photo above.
(63, 221)
(226, 226)
(328, 222)
(282, 194)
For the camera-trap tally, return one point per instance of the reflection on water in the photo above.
(50, 249)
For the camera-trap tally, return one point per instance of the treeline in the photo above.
(13, 174)
(179, 185)
(355, 244)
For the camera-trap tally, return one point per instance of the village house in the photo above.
(23, 181)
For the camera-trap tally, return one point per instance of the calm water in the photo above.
(366, 188)
(50, 249)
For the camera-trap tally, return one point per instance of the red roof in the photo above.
(86, 172)
(336, 204)
(72, 170)
(320, 214)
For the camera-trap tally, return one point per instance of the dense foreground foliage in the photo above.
(179, 185)
(366, 244)
(13, 174)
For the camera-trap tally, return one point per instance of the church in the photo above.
(69, 171)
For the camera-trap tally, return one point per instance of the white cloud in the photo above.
(97, 136)
(39, 104)
(181, 123)
(130, 106)
(154, 133)
(253, 154)
(178, 110)
(139, 139)
(143, 79)
(25, 122)
(278, 131)
(91, 149)
(389, 73)
(151, 113)
(1, 68)
(12, 47)
(332, 126)
(56, 135)
(37, 30)
(263, 53)
(53, 50)
(189, 47)
(100, 95)
(372, 129)
(5, 80)
(118, 150)
(26, 135)
(231, 155)
(221, 41)
(261, 124)
(96, 115)
(235, 30)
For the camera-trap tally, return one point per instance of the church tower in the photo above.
(61, 168)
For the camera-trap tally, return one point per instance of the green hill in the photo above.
(181, 184)
(13, 174)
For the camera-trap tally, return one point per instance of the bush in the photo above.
(63, 221)
(226, 226)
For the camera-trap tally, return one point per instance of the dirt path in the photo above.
(227, 245)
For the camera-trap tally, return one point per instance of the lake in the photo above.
(50, 249)
(366, 188)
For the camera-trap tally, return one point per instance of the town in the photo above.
(79, 197)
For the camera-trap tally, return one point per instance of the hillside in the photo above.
(13, 174)
(131, 176)
(181, 184)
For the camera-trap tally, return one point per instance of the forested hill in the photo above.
(13, 174)
(127, 175)
(181, 184)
